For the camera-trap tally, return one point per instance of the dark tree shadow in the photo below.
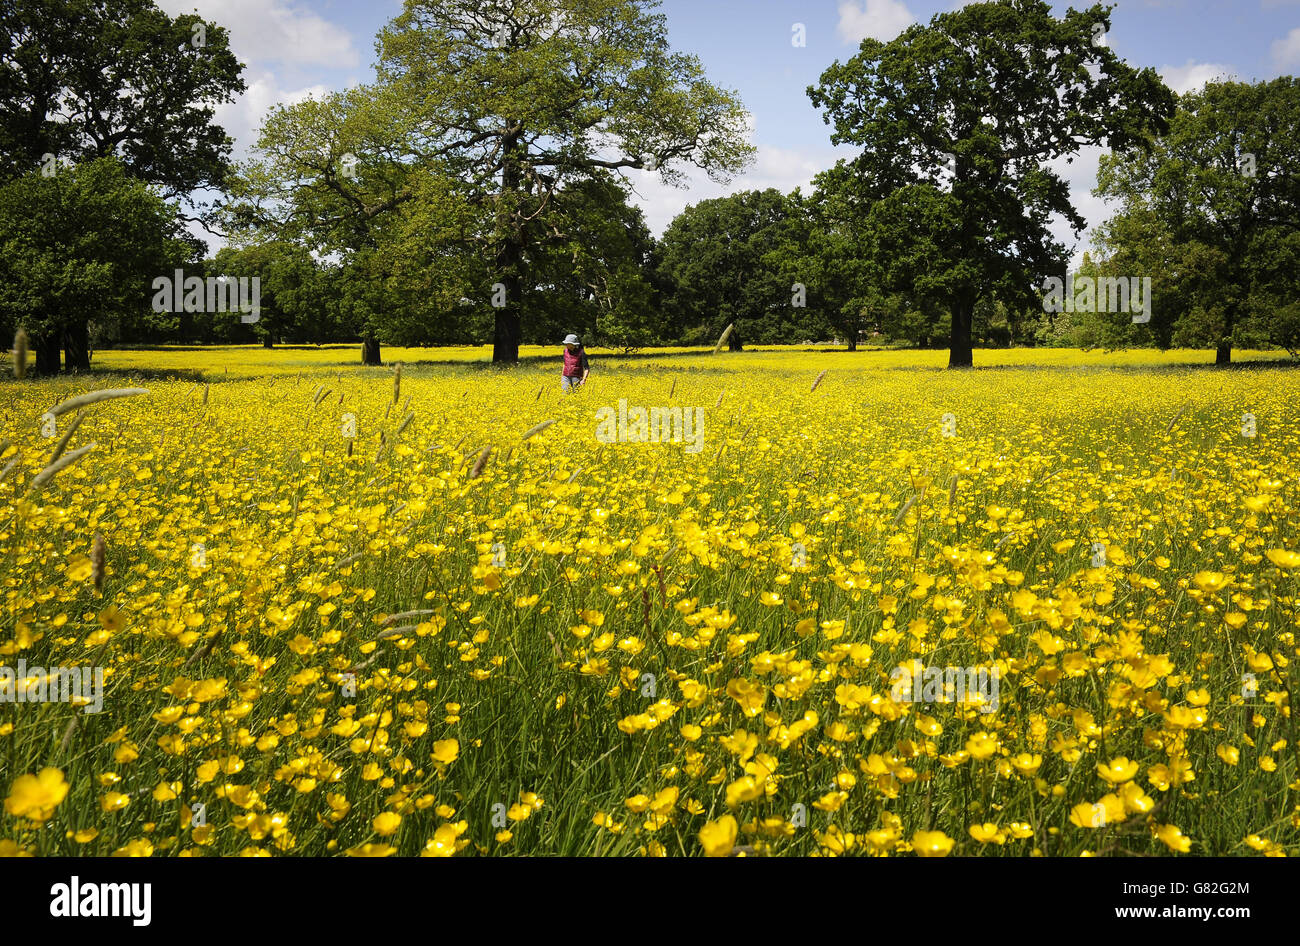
(1258, 364)
(143, 374)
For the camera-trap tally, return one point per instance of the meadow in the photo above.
(363, 611)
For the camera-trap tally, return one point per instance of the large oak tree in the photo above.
(86, 79)
(1212, 214)
(958, 122)
(526, 96)
(511, 101)
(81, 246)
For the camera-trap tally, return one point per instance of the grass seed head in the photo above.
(97, 561)
(94, 397)
(67, 435)
(42, 478)
(481, 462)
(537, 429)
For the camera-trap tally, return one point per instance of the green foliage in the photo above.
(593, 249)
(81, 245)
(295, 306)
(144, 86)
(1211, 214)
(728, 261)
(958, 122)
(498, 108)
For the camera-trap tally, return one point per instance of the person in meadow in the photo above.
(576, 368)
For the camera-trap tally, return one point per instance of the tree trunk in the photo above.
(735, 342)
(1223, 354)
(268, 342)
(47, 355)
(853, 341)
(505, 337)
(370, 351)
(76, 347)
(960, 353)
(508, 328)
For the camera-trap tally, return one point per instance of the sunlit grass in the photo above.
(248, 361)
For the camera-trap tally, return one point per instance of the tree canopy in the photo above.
(1212, 213)
(507, 102)
(958, 122)
(78, 246)
(85, 79)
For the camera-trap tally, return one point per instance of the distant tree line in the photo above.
(473, 193)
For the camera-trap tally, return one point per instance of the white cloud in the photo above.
(1192, 75)
(1286, 51)
(783, 168)
(1081, 177)
(879, 19)
(275, 39)
(243, 117)
(274, 31)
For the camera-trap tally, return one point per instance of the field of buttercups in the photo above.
(428, 611)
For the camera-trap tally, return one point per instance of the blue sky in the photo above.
(295, 48)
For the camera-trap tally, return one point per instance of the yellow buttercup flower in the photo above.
(982, 745)
(1284, 558)
(931, 844)
(719, 837)
(743, 790)
(386, 823)
(372, 850)
(750, 696)
(1210, 581)
(664, 800)
(446, 751)
(445, 841)
(1027, 763)
(1172, 838)
(1088, 815)
(1119, 769)
(35, 797)
(113, 801)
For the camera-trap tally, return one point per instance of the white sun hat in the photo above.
(571, 340)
